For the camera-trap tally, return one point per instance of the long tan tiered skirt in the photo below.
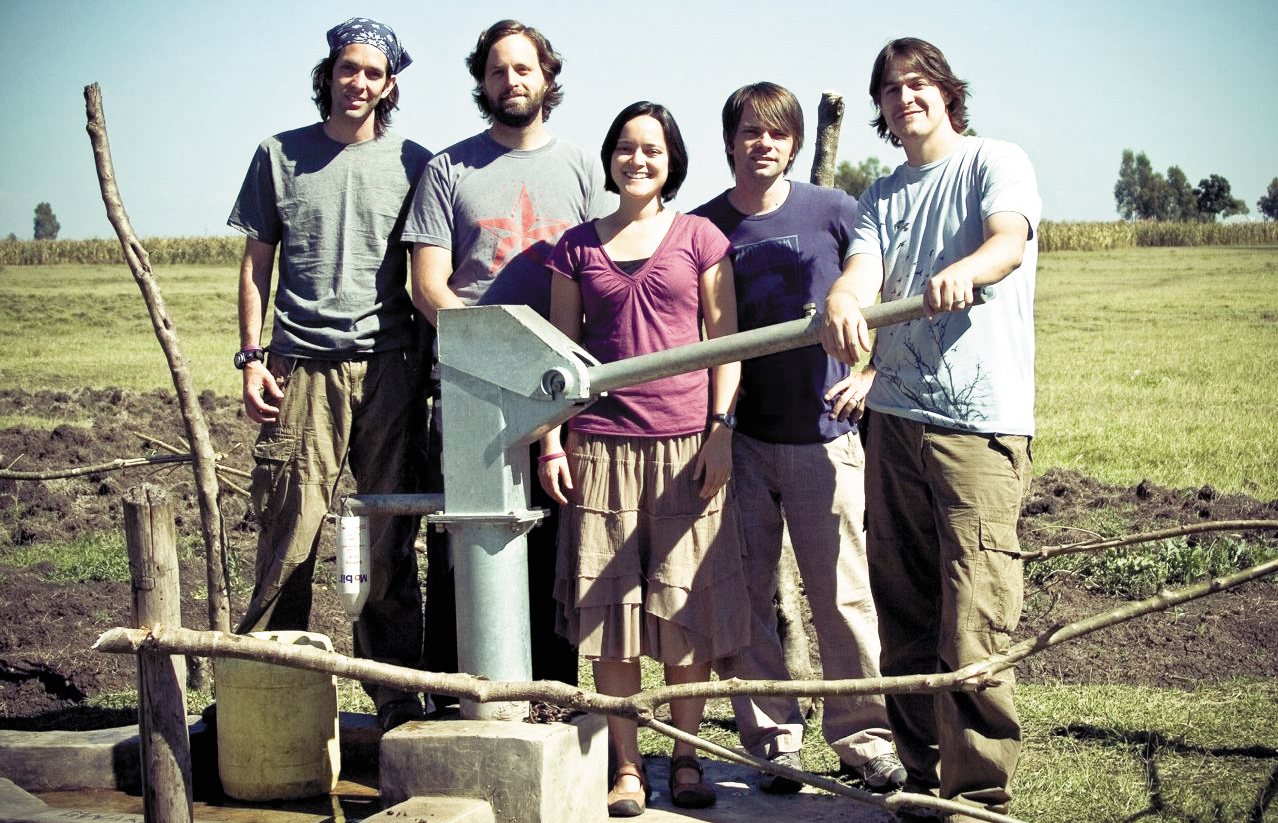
(645, 566)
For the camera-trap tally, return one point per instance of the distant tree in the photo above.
(1125, 190)
(1268, 205)
(1181, 202)
(1140, 193)
(13, 238)
(46, 224)
(1214, 198)
(1151, 200)
(856, 179)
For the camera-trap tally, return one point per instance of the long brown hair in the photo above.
(322, 84)
(926, 59)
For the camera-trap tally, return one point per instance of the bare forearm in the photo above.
(726, 382)
(996, 258)
(255, 289)
(999, 254)
(432, 268)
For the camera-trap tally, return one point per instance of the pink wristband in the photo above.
(546, 458)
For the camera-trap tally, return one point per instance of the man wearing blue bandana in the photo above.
(338, 385)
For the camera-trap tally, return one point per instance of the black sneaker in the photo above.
(395, 713)
(775, 783)
(881, 774)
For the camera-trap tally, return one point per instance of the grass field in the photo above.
(1153, 363)
(1159, 364)
(68, 326)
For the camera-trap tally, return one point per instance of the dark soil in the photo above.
(47, 629)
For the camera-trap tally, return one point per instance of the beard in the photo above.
(518, 113)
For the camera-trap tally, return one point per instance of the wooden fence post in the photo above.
(792, 626)
(162, 729)
(829, 121)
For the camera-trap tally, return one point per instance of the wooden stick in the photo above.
(197, 428)
(641, 706)
(1176, 531)
(165, 743)
(829, 121)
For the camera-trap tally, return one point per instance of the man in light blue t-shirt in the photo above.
(948, 457)
(487, 214)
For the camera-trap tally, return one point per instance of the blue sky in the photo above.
(191, 88)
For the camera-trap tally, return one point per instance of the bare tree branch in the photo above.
(892, 802)
(642, 706)
(197, 428)
(829, 121)
(1177, 531)
(117, 464)
(1121, 614)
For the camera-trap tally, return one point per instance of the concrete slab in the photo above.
(17, 799)
(436, 810)
(529, 772)
(49, 761)
(740, 800)
(111, 758)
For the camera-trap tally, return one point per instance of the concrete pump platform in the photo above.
(552, 773)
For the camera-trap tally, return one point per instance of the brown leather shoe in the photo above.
(699, 795)
(629, 804)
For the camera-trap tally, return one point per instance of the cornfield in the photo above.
(1052, 236)
(162, 251)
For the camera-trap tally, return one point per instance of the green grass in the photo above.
(1153, 363)
(1159, 364)
(89, 557)
(1139, 572)
(1106, 754)
(68, 326)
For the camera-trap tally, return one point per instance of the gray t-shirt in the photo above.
(973, 369)
(500, 212)
(336, 211)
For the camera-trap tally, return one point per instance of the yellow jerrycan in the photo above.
(277, 727)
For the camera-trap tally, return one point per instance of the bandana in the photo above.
(378, 35)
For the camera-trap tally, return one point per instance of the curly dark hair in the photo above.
(926, 59)
(322, 84)
(549, 60)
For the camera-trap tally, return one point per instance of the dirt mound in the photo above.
(47, 628)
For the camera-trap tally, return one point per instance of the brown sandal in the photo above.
(699, 795)
(629, 804)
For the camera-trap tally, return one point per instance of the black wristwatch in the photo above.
(729, 420)
(245, 356)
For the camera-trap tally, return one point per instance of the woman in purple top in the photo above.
(649, 549)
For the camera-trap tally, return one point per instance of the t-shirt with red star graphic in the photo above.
(501, 211)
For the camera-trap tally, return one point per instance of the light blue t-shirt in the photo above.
(973, 369)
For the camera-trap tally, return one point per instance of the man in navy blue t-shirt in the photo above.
(797, 458)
